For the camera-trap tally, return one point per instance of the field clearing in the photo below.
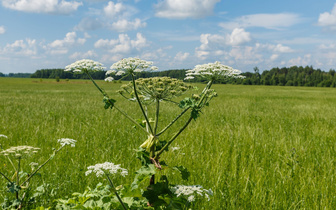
(256, 147)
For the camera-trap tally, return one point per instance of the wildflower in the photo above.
(213, 71)
(85, 65)
(33, 165)
(20, 151)
(175, 148)
(102, 168)
(110, 72)
(191, 191)
(109, 79)
(155, 88)
(1, 135)
(67, 141)
(131, 65)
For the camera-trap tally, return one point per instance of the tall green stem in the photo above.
(173, 138)
(157, 116)
(139, 102)
(18, 178)
(172, 122)
(115, 191)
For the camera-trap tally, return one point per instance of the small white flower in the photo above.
(101, 168)
(110, 72)
(67, 141)
(20, 151)
(131, 65)
(213, 71)
(175, 148)
(191, 191)
(84, 66)
(1, 135)
(109, 79)
(119, 73)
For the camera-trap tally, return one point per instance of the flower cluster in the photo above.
(191, 191)
(1, 135)
(155, 88)
(108, 79)
(107, 167)
(85, 65)
(20, 151)
(213, 71)
(131, 65)
(67, 141)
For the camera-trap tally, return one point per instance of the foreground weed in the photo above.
(151, 188)
(18, 187)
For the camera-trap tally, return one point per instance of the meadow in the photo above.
(256, 147)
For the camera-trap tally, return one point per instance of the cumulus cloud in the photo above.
(85, 55)
(122, 45)
(177, 9)
(269, 21)
(20, 47)
(61, 46)
(239, 36)
(112, 9)
(2, 30)
(125, 25)
(301, 61)
(42, 6)
(328, 19)
(89, 24)
(180, 56)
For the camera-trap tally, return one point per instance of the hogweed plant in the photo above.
(150, 183)
(19, 182)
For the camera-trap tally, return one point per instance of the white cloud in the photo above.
(328, 19)
(282, 49)
(125, 25)
(300, 61)
(20, 47)
(122, 45)
(88, 23)
(62, 46)
(239, 36)
(269, 21)
(274, 57)
(42, 6)
(180, 56)
(177, 9)
(112, 9)
(2, 30)
(86, 55)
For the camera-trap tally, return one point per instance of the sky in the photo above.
(174, 34)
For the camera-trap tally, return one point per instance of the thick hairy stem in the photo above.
(140, 105)
(115, 191)
(172, 122)
(157, 116)
(173, 138)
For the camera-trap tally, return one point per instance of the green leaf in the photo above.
(184, 172)
(109, 103)
(143, 174)
(156, 192)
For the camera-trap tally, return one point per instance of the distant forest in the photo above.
(287, 76)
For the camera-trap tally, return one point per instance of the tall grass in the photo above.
(256, 147)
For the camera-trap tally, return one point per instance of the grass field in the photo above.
(256, 147)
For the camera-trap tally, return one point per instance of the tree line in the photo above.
(286, 76)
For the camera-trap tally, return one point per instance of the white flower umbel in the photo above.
(131, 65)
(1, 135)
(85, 65)
(20, 151)
(107, 167)
(109, 79)
(213, 71)
(191, 191)
(67, 141)
(110, 72)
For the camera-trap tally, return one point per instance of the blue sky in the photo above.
(174, 34)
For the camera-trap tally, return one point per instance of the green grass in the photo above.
(256, 147)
